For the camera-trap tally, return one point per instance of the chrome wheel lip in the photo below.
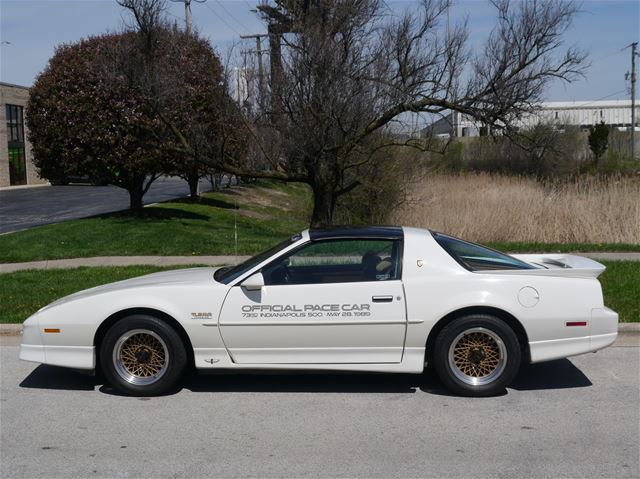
(122, 370)
(475, 380)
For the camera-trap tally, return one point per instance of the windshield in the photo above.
(478, 258)
(228, 274)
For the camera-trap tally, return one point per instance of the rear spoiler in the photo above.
(560, 265)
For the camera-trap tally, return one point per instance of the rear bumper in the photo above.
(603, 329)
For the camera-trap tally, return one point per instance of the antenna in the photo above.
(235, 229)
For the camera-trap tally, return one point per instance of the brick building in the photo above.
(16, 160)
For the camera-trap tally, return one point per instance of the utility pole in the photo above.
(259, 51)
(634, 53)
(187, 12)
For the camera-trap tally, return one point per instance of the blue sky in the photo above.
(34, 28)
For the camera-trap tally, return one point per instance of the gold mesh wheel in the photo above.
(477, 356)
(140, 357)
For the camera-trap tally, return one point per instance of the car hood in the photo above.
(191, 276)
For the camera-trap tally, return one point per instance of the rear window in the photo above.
(478, 258)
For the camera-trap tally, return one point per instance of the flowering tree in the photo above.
(94, 110)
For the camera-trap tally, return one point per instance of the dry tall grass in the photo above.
(483, 208)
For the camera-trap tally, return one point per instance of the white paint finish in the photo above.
(32, 352)
(306, 335)
(528, 297)
(392, 339)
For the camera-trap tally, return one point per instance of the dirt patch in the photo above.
(263, 197)
(255, 214)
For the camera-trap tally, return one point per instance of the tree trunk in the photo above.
(135, 197)
(193, 186)
(324, 201)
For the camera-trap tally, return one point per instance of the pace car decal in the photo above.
(305, 311)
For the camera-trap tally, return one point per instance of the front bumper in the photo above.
(32, 348)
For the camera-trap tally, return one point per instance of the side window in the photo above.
(478, 258)
(337, 261)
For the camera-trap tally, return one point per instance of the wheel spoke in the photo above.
(140, 357)
(477, 356)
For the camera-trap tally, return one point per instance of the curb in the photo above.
(10, 329)
(624, 329)
(629, 328)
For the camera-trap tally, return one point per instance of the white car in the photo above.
(384, 299)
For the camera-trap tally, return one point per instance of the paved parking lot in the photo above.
(28, 207)
(568, 418)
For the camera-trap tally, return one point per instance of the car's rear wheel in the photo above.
(142, 356)
(477, 355)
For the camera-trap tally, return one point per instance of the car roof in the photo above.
(374, 232)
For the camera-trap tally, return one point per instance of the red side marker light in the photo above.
(51, 330)
(576, 323)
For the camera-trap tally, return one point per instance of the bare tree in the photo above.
(347, 69)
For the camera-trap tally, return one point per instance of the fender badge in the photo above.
(211, 361)
(201, 315)
(419, 263)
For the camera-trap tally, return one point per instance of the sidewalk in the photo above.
(203, 260)
(123, 261)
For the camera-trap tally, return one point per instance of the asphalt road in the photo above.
(568, 418)
(28, 207)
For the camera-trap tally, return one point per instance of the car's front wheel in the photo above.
(142, 356)
(477, 355)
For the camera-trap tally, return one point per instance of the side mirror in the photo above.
(253, 282)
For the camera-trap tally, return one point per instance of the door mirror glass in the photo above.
(253, 282)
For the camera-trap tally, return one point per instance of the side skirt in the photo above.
(217, 358)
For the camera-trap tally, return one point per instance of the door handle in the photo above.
(382, 299)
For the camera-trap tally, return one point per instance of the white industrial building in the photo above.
(615, 113)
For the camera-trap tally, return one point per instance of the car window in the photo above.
(228, 274)
(337, 261)
(478, 258)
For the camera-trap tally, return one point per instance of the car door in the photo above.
(329, 301)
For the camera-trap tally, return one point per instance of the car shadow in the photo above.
(53, 377)
(560, 374)
(204, 200)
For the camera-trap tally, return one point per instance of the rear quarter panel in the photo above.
(441, 286)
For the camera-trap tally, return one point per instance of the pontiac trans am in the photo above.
(385, 299)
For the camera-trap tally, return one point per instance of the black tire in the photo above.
(477, 355)
(141, 355)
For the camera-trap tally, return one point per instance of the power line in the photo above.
(222, 19)
(231, 14)
(591, 102)
(617, 51)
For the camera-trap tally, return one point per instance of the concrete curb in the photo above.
(10, 329)
(23, 187)
(624, 329)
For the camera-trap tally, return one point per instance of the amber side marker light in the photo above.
(576, 323)
(51, 330)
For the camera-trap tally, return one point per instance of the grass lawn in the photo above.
(265, 213)
(621, 288)
(24, 292)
